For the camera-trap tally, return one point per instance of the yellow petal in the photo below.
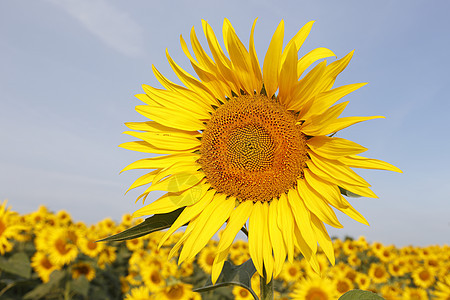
(172, 201)
(298, 40)
(169, 85)
(286, 225)
(266, 243)
(168, 140)
(147, 100)
(352, 213)
(359, 190)
(142, 146)
(272, 61)
(302, 218)
(161, 162)
(316, 204)
(306, 87)
(324, 100)
(276, 237)
(307, 252)
(188, 214)
(222, 62)
(189, 80)
(238, 218)
(203, 59)
(142, 180)
(333, 71)
(152, 126)
(214, 45)
(172, 118)
(209, 222)
(255, 236)
(257, 76)
(338, 170)
(221, 88)
(240, 59)
(323, 238)
(318, 123)
(355, 161)
(177, 183)
(217, 267)
(288, 76)
(329, 191)
(209, 78)
(342, 123)
(186, 234)
(177, 168)
(176, 101)
(312, 56)
(334, 148)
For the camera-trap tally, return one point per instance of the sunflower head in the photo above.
(253, 149)
(244, 144)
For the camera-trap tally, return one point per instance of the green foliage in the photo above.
(233, 275)
(360, 295)
(348, 193)
(53, 287)
(156, 222)
(18, 264)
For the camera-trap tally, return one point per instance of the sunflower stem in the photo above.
(266, 288)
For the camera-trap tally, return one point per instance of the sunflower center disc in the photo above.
(252, 149)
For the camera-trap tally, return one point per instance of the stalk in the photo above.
(266, 288)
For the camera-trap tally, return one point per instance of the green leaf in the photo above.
(51, 286)
(360, 295)
(154, 223)
(348, 193)
(233, 275)
(80, 286)
(18, 264)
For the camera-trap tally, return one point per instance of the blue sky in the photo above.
(69, 70)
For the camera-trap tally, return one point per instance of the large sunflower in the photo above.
(244, 145)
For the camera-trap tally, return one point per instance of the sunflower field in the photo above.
(46, 255)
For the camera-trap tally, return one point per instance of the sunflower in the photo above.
(83, 268)
(243, 144)
(153, 278)
(107, 256)
(60, 246)
(423, 277)
(135, 244)
(353, 260)
(239, 252)
(415, 294)
(9, 228)
(206, 259)
(378, 273)
(390, 292)
(292, 272)
(88, 245)
(139, 293)
(319, 288)
(363, 281)
(343, 285)
(43, 266)
(178, 291)
(442, 291)
(397, 268)
(63, 217)
(241, 293)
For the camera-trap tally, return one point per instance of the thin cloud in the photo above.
(112, 26)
